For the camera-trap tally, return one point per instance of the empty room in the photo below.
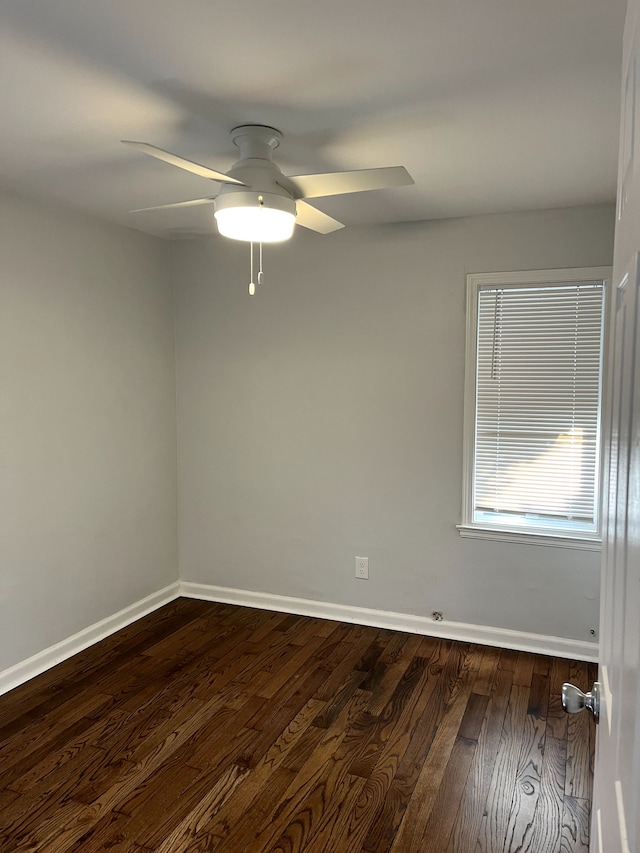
(319, 452)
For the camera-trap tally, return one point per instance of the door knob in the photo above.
(574, 700)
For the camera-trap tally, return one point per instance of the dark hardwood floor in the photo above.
(208, 727)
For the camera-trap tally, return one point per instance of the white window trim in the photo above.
(467, 528)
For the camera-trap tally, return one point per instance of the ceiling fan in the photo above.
(257, 202)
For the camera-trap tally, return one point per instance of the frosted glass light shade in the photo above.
(255, 218)
(255, 224)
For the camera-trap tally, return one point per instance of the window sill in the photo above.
(468, 531)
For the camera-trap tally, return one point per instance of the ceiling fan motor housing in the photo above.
(256, 170)
(252, 198)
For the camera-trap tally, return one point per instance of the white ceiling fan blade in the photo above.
(315, 220)
(181, 163)
(359, 180)
(193, 203)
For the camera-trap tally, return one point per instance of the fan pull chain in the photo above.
(260, 273)
(252, 286)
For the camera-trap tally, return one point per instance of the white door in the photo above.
(616, 801)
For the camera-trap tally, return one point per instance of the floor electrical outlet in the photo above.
(362, 568)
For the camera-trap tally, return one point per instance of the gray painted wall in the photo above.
(87, 423)
(322, 419)
(319, 420)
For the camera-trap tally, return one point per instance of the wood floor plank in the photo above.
(546, 832)
(290, 671)
(411, 834)
(526, 790)
(185, 837)
(232, 812)
(523, 672)
(372, 796)
(467, 825)
(212, 727)
(397, 658)
(150, 828)
(301, 804)
(473, 717)
(398, 721)
(495, 823)
(380, 727)
(121, 826)
(238, 829)
(16, 745)
(78, 737)
(341, 662)
(575, 826)
(539, 696)
(86, 806)
(556, 717)
(39, 817)
(409, 748)
(487, 672)
(30, 746)
(439, 825)
(327, 801)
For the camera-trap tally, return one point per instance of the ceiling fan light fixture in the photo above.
(255, 217)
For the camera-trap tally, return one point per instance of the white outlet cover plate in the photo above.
(362, 568)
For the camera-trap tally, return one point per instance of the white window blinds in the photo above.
(538, 389)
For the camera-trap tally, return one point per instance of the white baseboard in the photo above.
(49, 657)
(482, 634)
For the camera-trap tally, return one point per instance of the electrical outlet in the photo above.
(362, 568)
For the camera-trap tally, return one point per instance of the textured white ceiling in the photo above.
(492, 105)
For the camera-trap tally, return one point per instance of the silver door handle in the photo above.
(574, 700)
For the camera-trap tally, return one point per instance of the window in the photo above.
(533, 398)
